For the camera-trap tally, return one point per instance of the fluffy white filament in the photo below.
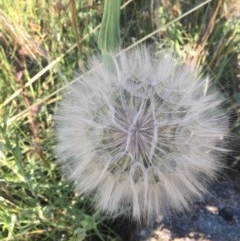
(142, 139)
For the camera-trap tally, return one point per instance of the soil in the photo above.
(215, 219)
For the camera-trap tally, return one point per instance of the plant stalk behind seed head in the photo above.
(109, 36)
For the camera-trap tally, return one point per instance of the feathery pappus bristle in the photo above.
(143, 139)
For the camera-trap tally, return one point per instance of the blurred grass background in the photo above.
(43, 44)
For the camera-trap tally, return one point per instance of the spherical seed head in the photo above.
(143, 139)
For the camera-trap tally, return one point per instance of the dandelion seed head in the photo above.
(143, 139)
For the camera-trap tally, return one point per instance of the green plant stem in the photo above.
(109, 35)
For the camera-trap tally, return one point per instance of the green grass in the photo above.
(39, 56)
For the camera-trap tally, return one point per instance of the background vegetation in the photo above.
(43, 44)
